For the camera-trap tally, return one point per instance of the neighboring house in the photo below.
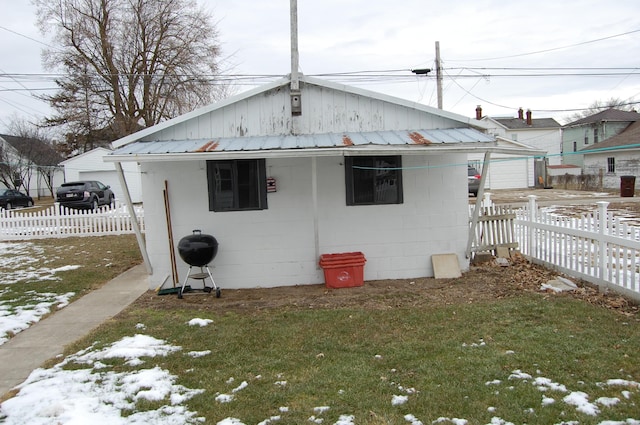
(280, 175)
(544, 134)
(29, 163)
(91, 166)
(589, 132)
(614, 158)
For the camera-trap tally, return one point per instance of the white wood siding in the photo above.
(324, 110)
(276, 247)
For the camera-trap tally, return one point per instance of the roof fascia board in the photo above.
(493, 120)
(513, 143)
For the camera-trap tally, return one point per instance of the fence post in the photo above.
(486, 201)
(56, 218)
(602, 245)
(532, 219)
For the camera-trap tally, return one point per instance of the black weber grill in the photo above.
(198, 250)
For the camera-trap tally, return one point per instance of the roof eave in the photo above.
(323, 152)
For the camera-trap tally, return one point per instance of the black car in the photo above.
(86, 194)
(473, 178)
(10, 198)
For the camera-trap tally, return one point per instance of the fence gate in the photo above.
(495, 229)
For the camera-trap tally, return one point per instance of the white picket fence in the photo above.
(58, 222)
(597, 247)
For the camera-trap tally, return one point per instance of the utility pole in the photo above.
(296, 96)
(438, 75)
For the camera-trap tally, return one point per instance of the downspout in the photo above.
(134, 220)
(476, 210)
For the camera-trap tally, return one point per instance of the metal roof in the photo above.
(306, 141)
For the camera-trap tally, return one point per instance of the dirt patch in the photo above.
(481, 283)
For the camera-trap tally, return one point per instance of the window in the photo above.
(237, 185)
(595, 135)
(611, 165)
(373, 180)
(586, 137)
(575, 146)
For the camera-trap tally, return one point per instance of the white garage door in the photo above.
(508, 173)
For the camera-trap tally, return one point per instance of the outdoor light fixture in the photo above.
(422, 71)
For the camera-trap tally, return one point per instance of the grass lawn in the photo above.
(520, 359)
(449, 362)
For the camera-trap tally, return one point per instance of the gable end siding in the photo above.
(324, 110)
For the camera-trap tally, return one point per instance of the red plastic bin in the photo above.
(343, 270)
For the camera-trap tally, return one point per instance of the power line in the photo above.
(549, 50)
(28, 38)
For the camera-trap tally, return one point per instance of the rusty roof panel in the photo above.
(304, 141)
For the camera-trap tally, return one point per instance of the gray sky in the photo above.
(481, 42)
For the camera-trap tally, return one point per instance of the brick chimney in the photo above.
(520, 114)
(478, 112)
(529, 120)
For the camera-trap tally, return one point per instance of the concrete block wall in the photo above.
(276, 246)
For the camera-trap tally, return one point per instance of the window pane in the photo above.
(363, 189)
(223, 191)
(370, 181)
(237, 185)
(248, 194)
(386, 181)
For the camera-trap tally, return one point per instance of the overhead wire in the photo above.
(390, 76)
(550, 49)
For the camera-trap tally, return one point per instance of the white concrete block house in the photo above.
(353, 171)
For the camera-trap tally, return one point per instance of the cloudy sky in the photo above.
(550, 56)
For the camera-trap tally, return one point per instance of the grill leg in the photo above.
(184, 283)
(218, 293)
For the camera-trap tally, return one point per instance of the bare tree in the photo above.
(27, 153)
(601, 105)
(127, 64)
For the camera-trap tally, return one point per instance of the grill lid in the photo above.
(198, 249)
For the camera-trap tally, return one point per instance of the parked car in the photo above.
(10, 198)
(473, 178)
(86, 194)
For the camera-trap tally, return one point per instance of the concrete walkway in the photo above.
(47, 339)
